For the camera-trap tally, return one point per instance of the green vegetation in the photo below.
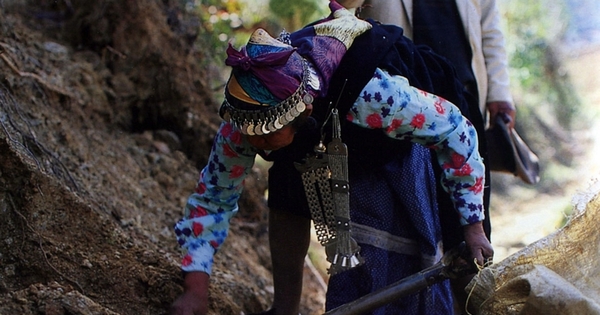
(534, 30)
(549, 107)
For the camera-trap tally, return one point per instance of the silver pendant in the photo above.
(264, 129)
(295, 112)
(300, 107)
(289, 117)
(283, 120)
(308, 99)
(249, 128)
(271, 126)
(258, 130)
(278, 124)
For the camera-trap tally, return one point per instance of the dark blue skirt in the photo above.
(398, 199)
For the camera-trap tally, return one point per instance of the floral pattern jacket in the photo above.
(387, 103)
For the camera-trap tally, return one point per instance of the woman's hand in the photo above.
(478, 244)
(194, 300)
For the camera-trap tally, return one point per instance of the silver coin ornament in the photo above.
(258, 129)
(249, 128)
(264, 129)
(268, 120)
(308, 99)
(277, 123)
(283, 120)
(289, 117)
(300, 107)
(295, 112)
(271, 126)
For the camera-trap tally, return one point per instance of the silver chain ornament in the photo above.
(325, 180)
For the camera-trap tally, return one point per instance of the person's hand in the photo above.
(478, 244)
(508, 111)
(194, 300)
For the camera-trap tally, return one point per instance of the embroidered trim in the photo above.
(370, 236)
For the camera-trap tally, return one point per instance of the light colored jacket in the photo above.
(481, 21)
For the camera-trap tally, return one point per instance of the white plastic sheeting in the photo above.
(559, 274)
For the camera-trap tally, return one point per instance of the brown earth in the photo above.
(105, 112)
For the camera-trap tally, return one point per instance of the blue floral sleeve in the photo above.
(213, 203)
(401, 111)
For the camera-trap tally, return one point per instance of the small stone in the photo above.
(86, 263)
